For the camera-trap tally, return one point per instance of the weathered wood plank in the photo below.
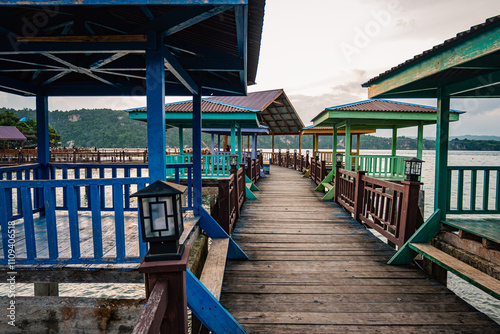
(213, 271)
(313, 269)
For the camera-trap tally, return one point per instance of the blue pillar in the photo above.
(42, 134)
(197, 180)
(155, 88)
(254, 146)
(212, 146)
(218, 144)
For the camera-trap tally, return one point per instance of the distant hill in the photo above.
(113, 129)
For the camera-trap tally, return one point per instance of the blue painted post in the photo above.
(254, 146)
(212, 144)
(197, 178)
(155, 88)
(43, 153)
(442, 137)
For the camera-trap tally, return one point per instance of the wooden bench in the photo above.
(477, 278)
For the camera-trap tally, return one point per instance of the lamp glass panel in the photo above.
(170, 207)
(407, 168)
(145, 207)
(158, 217)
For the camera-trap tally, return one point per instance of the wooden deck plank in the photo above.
(313, 269)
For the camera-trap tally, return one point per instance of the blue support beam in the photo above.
(254, 146)
(172, 64)
(241, 17)
(155, 77)
(208, 309)
(197, 177)
(122, 2)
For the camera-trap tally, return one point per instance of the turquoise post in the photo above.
(155, 88)
(442, 137)
(420, 140)
(348, 161)
(233, 138)
(334, 139)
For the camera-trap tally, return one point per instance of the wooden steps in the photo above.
(477, 278)
(213, 271)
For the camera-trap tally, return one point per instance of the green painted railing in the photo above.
(211, 165)
(473, 190)
(380, 166)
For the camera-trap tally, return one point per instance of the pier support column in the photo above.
(43, 145)
(254, 146)
(181, 141)
(348, 146)
(155, 88)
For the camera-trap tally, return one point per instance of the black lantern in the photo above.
(233, 161)
(160, 209)
(307, 152)
(295, 151)
(317, 155)
(339, 158)
(287, 150)
(279, 150)
(413, 169)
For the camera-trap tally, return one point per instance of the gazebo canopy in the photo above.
(379, 114)
(215, 115)
(276, 110)
(465, 66)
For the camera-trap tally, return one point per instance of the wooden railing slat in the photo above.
(154, 310)
(94, 203)
(29, 228)
(50, 218)
(119, 221)
(74, 233)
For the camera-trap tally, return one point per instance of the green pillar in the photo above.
(394, 140)
(442, 137)
(348, 161)
(334, 151)
(420, 140)
(233, 138)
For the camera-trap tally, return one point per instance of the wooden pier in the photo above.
(313, 269)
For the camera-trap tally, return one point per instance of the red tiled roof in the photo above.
(449, 42)
(11, 133)
(206, 106)
(382, 105)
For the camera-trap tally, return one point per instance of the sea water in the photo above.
(480, 300)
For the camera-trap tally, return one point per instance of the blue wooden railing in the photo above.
(473, 190)
(73, 188)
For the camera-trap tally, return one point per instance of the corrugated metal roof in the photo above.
(255, 100)
(11, 133)
(448, 43)
(277, 112)
(207, 106)
(382, 105)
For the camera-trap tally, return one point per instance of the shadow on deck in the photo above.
(313, 269)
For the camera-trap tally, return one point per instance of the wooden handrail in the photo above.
(154, 311)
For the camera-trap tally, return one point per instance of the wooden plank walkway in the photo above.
(313, 269)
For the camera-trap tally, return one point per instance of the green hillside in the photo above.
(112, 129)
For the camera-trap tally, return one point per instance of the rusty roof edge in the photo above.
(430, 52)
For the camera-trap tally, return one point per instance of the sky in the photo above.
(321, 51)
